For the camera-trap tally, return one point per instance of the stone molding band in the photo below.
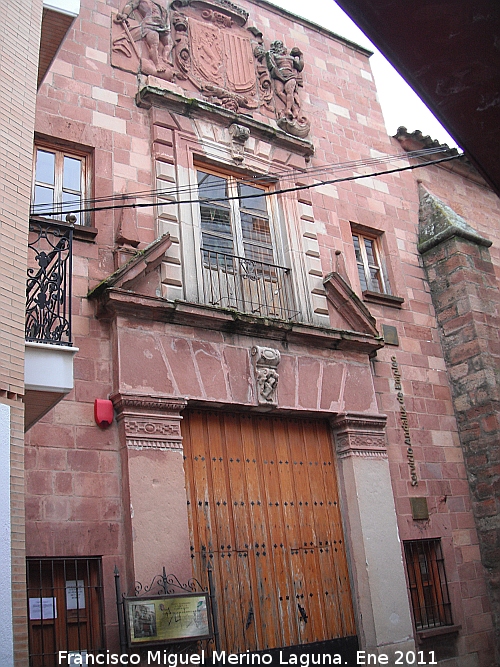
(360, 435)
(150, 422)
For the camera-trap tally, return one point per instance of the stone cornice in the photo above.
(150, 421)
(152, 95)
(116, 301)
(125, 401)
(312, 26)
(356, 421)
(360, 435)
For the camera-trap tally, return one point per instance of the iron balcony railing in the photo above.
(48, 287)
(248, 286)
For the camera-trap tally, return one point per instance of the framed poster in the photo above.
(160, 619)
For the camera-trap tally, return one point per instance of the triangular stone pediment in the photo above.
(349, 306)
(142, 263)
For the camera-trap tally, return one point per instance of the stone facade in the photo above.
(465, 295)
(151, 339)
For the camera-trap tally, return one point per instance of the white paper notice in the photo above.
(77, 658)
(43, 608)
(75, 594)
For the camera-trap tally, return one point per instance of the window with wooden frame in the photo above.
(428, 586)
(368, 260)
(238, 248)
(65, 608)
(234, 218)
(61, 183)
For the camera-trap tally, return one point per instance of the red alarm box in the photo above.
(103, 412)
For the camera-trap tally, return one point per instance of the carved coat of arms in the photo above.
(205, 46)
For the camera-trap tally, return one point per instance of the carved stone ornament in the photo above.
(201, 43)
(266, 360)
(239, 136)
(204, 47)
(285, 69)
(360, 435)
(150, 422)
(141, 39)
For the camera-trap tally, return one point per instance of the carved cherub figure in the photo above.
(267, 380)
(153, 28)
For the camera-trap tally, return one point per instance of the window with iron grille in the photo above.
(60, 183)
(65, 608)
(427, 583)
(238, 249)
(371, 275)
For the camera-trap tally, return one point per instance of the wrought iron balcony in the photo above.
(247, 285)
(48, 287)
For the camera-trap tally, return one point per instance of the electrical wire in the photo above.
(258, 179)
(266, 179)
(267, 193)
(285, 175)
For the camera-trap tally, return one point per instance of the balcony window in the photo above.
(238, 251)
(236, 227)
(60, 184)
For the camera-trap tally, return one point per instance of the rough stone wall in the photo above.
(89, 103)
(466, 298)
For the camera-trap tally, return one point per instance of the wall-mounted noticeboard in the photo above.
(160, 619)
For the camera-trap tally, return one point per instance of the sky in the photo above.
(400, 105)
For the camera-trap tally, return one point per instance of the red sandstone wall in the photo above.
(74, 503)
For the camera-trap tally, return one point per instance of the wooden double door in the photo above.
(264, 511)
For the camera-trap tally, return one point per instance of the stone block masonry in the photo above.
(465, 296)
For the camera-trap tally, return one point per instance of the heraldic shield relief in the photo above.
(206, 48)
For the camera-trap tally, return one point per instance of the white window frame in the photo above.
(83, 219)
(235, 210)
(365, 265)
(221, 286)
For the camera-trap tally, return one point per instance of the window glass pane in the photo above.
(357, 249)
(375, 283)
(218, 253)
(71, 201)
(45, 167)
(72, 171)
(257, 203)
(255, 229)
(369, 251)
(211, 187)
(214, 219)
(362, 277)
(44, 200)
(258, 253)
(217, 244)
